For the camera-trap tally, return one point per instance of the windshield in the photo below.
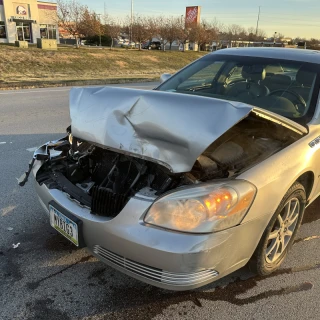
(284, 87)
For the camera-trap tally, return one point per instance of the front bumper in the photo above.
(167, 259)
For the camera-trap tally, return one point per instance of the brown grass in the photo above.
(18, 65)
(121, 64)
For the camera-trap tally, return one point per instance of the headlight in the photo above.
(203, 208)
(70, 138)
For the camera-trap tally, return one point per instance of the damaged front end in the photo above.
(105, 180)
(136, 166)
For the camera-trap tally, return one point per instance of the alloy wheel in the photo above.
(282, 230)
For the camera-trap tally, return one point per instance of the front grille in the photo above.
(155, 274)
(106, 203)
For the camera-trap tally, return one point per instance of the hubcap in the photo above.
(282, 230)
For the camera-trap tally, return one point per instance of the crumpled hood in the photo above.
(168, 128)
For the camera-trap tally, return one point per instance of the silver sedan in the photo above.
(184, 184)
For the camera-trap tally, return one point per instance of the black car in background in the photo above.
(155, 45)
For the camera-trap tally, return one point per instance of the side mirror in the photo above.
(164, 77)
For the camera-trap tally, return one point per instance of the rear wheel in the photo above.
(280, 232)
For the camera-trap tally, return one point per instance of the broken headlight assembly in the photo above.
(203, 208)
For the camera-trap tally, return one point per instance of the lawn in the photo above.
(36, 65)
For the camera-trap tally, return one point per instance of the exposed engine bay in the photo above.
(105, 180)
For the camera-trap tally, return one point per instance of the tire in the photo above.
(276, 240)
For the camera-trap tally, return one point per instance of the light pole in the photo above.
(274, 39)
(258, 22)
(99, 14)
(131, 21)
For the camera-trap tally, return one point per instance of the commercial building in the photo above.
(27, 20)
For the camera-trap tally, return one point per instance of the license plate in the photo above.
(64, 225)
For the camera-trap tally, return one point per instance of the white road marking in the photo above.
(146, 86)
(3, 142)
(23, 92)
(32, 149)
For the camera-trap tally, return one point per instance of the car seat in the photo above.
(252, 86)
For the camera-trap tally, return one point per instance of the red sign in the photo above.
(47, 7)
(193, 15)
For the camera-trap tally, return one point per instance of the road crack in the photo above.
(35, 284)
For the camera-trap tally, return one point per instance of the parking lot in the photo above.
(43, 276)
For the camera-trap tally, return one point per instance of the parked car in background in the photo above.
(152, 45)
(130, 45)
(182, 185)
(119, 40)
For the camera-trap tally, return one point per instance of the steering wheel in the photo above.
(298, 97)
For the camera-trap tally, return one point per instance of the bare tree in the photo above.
(163, 30)
(235, 32)
(168, 30)
(70, 17)
(261, 35)
(141, 29)
(183, 32)
(175, 25)
(279, 36)
(90, 24)
(202, 34)
(112, 28)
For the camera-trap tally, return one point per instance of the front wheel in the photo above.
(279, 235)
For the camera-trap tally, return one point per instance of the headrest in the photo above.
(274, 68)
(305, 77)
(253, 72)
(281, 79)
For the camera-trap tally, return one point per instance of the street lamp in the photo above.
(131, 24)
(274, 39)
(99, 14)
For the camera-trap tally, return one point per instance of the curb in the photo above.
(70, 83)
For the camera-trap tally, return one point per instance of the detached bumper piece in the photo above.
(24, 178)
(154, 274)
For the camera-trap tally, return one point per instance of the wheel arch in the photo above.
(307, 180)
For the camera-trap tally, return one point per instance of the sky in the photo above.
(292, 18)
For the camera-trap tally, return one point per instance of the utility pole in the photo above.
(99, 14)
(131, 20)
(104, 13)
(258, 21)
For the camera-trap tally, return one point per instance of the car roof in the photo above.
(303, 55)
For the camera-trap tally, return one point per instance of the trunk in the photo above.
(111, 43)
(170, 46)
(77, 42)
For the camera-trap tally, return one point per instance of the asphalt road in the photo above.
(45, 277)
